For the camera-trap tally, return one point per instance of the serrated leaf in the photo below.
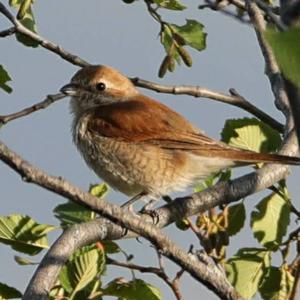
(18, 231)
(250, 134)
(4, 78)
(286, 48)
(278, 284)
(192, 34)
(132, 290)
(236, 218)
(81, 269)
(71, 213)
(270, 221)
(246, 269)
(8, 292)
(170, 4)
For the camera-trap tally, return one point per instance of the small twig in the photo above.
(8, 32)
(24, 112)
(157, 271)
(281, 194)
(219, 6)
(19, 27)
(272, 68)
(234, 99)
(270, 12)
(294, 235)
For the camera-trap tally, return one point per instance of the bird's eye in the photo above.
(100, 86)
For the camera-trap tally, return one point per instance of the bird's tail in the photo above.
(246, 157)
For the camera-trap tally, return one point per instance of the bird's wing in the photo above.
(143, 120)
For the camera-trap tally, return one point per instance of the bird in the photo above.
(138, 145)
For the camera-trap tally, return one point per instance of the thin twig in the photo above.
(7, 32)
(26, 111)
(216, 5)
(19, 27)
(193, 91)
(234, 99)
(157, 271)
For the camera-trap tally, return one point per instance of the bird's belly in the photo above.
(103, 157)
(133, 168)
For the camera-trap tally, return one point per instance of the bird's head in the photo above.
(98, 85)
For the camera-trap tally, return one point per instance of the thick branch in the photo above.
(222, 193)
(212, 278)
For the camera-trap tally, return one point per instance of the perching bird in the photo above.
(140, 146)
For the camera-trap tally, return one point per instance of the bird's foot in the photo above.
(167, 199)
(147, 209)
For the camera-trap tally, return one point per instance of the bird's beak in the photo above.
(70, 89)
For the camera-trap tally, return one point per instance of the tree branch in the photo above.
(272, 69)
(24, 112)
(234, 99)
(19, 27)
(157, 271)
(7, 32)
(211, 278)
(222, 193)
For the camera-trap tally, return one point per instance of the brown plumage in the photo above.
(137, 144)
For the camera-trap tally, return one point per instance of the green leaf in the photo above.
(110, 247)
(132, 290)
(246, 269)
(236, 218)
(8, 292)
(24, 8)
(250, 134)
(278, 284)
(4, 78)
(81, 269)
(71, 213)
(99, 190)
(15, 3)
(22, 261)
(191, 34)
(23, 234)
(286, 48)
(210, 181)
(270, 221)
(168, 43)
(170, 4)
(29, 23)
(27, 19)
(271, 283)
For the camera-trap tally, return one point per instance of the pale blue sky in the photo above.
(126, 37)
